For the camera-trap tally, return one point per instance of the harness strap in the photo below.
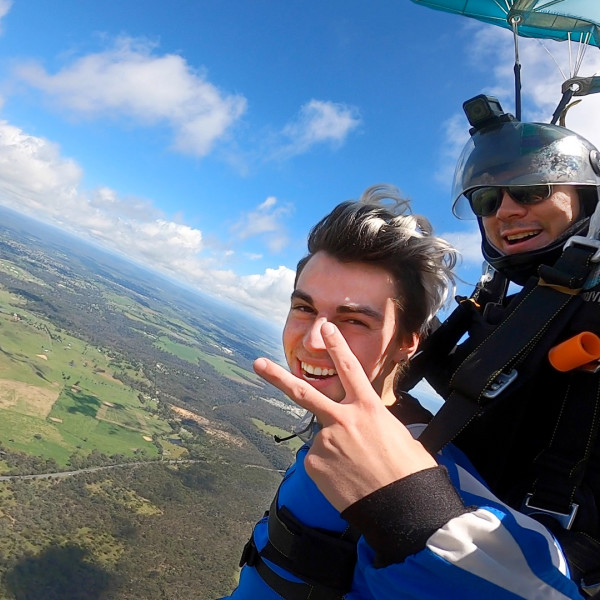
(440, 343)
(317, 556)
(325, 560)
(561, 466)
(582, 552)
(541, 311)
(290, 590)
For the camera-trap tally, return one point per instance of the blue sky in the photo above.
(205, 138)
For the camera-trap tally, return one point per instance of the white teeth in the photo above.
(317, 371)
(520, 236)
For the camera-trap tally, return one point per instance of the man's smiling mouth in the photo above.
(312, 372)
(517, 238)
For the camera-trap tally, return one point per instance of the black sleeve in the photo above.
(397, 519)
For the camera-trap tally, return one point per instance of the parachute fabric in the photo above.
(576, 20)
(560, 20)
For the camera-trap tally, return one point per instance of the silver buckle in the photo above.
(591, 367)
(565, 519)
(590, 590)
(499, 384)
(581, 240)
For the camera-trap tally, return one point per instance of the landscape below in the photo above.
(136, 443)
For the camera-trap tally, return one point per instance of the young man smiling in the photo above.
(428, 527)
(359, 299)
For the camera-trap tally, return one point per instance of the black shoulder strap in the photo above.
(438, 345)
(443, 337)
(543, 309)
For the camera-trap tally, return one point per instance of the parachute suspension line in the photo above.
(541, 43)
(514, 21)
(570, 54)
(507, 5)
(581, 50)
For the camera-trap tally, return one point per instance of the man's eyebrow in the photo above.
(300, 295)
(360, 309)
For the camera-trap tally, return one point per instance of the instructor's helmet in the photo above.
(505, 152)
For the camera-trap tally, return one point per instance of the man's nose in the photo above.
(509, 208)
(313, 340)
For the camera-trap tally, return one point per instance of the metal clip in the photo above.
(581, 240)
(499, 384)
(590, 589)
(591, 367)
(565, 519)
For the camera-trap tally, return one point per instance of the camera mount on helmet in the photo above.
(485, 111)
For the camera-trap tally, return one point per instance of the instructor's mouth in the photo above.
(523, 236)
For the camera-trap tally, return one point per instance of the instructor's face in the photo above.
(516, 228)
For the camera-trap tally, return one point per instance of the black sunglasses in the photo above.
(486, 201)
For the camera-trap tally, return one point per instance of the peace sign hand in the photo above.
(362, 447)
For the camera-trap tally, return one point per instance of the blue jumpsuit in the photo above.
(485, 551)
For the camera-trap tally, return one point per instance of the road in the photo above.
(62, 474)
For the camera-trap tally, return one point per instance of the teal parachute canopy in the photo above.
(576, 20)
(573, 20)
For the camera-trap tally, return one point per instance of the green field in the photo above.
(294, 444)
(222, 364)
(51, 383)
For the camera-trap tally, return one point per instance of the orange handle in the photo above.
(575, 352)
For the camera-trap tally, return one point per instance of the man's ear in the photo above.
(408, 348)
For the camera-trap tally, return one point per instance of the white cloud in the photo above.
(468, 243)
(265, 221)
(265, 294)
(456, 133)
(129, 80)
(32, 172)
(268, 203)
(37, 180)
(545, 65)
(5, 6)
(273, 287)
(319, 122)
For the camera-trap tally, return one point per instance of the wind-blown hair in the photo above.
(380, 229)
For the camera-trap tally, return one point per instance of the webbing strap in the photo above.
(508, 345)
(319, 557)
(440, 343)
(560, 467)
(290, 590)
(583, 557)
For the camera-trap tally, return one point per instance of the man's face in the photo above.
(359, 299)
(519, 228)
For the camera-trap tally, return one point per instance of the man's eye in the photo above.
(303, 308)
(356, 322)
